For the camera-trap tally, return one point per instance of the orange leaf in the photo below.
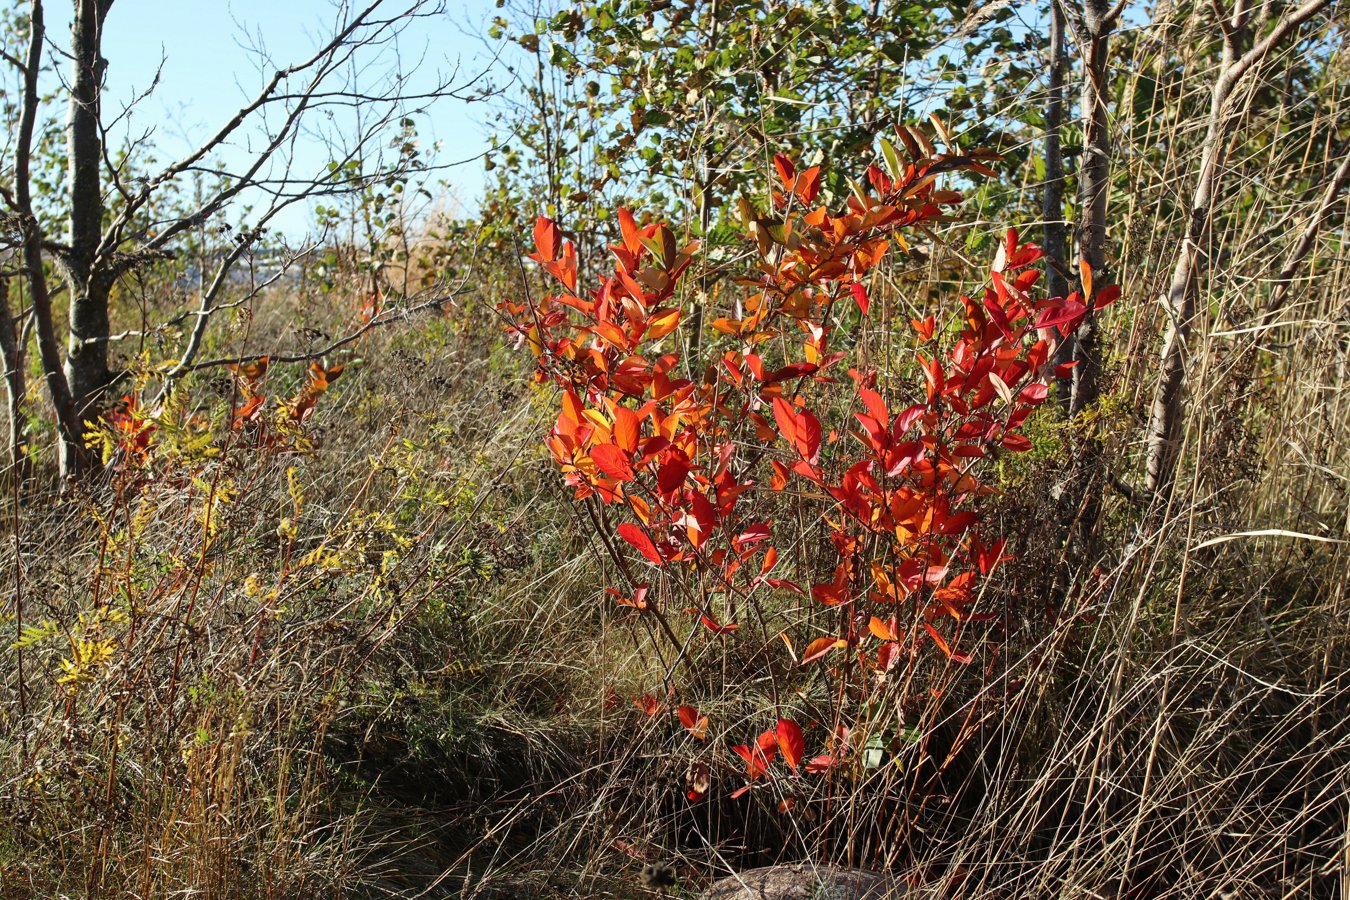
(662, 324)
(637, 601)
(626, 427)
(821, 646)
(881, 630)
(546, 238)
(696, 725)
(944, 646)
(612, 333)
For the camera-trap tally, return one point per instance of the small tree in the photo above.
(701, 488)
(114, 209)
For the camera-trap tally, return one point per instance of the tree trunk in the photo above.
(1163, 440)
(1306, 241)
(1080, 502)
(16, 387)
(1052, 197)
(85, 268)
(695, 361)
(70, 450)
(1164, 428)
(1094, 189)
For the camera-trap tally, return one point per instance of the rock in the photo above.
(812, 882)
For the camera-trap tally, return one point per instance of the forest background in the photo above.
(703, 469)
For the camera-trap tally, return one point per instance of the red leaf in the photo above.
(1106, 296)
(988, 558)
(647, 704)
(701, 520)
(670, 477)
(795, 370)
(712, 625)
(1068, 312)
(638, 538)
(766, 746)
(698, 780)
(958, 522)
(753, 534)
(695, 724)
(932, 371)
(1034, 393)
(860, 296)
(821, 764)
(808, 436)
(786, 417)
(757, 759)
(787, 172)
(612, 461)
(828, 594)
(876, 407)
(629, 229)
(790, 742)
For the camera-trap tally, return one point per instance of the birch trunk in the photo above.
(1166, 416)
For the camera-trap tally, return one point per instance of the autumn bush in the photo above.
(686, 462)
(802, 517)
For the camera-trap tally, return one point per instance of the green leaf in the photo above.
(892, 160)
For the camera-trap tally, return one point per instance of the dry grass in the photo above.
(422, 703)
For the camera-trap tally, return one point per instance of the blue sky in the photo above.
(209, 70)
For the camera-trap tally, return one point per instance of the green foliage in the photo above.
(676, 103)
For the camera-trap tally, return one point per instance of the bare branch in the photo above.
(1307, 239)
(208, 308)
